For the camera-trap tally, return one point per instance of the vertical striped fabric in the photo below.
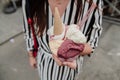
(47, 67)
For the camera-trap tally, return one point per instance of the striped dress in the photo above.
(47, 67)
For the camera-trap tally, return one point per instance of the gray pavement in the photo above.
(14, 63)
(10, 25)
(103, 64)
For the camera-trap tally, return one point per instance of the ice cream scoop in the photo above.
(69, 50)
(73, 33)
(54, 45)
(72, 45)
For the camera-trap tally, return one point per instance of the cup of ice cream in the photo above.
(65, 41)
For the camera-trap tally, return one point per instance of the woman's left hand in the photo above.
(72, 64)
(55, 57)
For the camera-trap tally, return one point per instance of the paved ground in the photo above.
(103, 65)
(14, 61)
(10, 25)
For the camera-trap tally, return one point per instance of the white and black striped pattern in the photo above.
(49, 70)
(92, 29)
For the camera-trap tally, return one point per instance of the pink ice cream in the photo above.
(65, 49)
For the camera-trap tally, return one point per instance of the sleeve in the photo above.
(26, 28)
(94, 35)
(97, 27)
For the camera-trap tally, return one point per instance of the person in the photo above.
(10, 7)
(71, 11)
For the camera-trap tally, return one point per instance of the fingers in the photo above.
(57, 60)
(35, 65)
(33, 62)
(72, 65)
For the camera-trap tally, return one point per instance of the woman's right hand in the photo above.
(32, 60)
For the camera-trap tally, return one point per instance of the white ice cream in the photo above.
(73, 33)
(57, 31)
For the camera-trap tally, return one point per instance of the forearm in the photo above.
(95, 31)
(26, 28)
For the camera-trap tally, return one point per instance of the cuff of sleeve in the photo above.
(29, 49)
(29, 43)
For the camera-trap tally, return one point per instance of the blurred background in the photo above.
(102, 65)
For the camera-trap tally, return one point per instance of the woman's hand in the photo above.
(32, 60)
(87, 49)
(55, 57)
(72, 64)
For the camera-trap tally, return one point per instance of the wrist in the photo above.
(87, 49)
(30, 54)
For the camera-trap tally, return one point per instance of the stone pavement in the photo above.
(14, 64)
(103, 65)
(10, 25)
